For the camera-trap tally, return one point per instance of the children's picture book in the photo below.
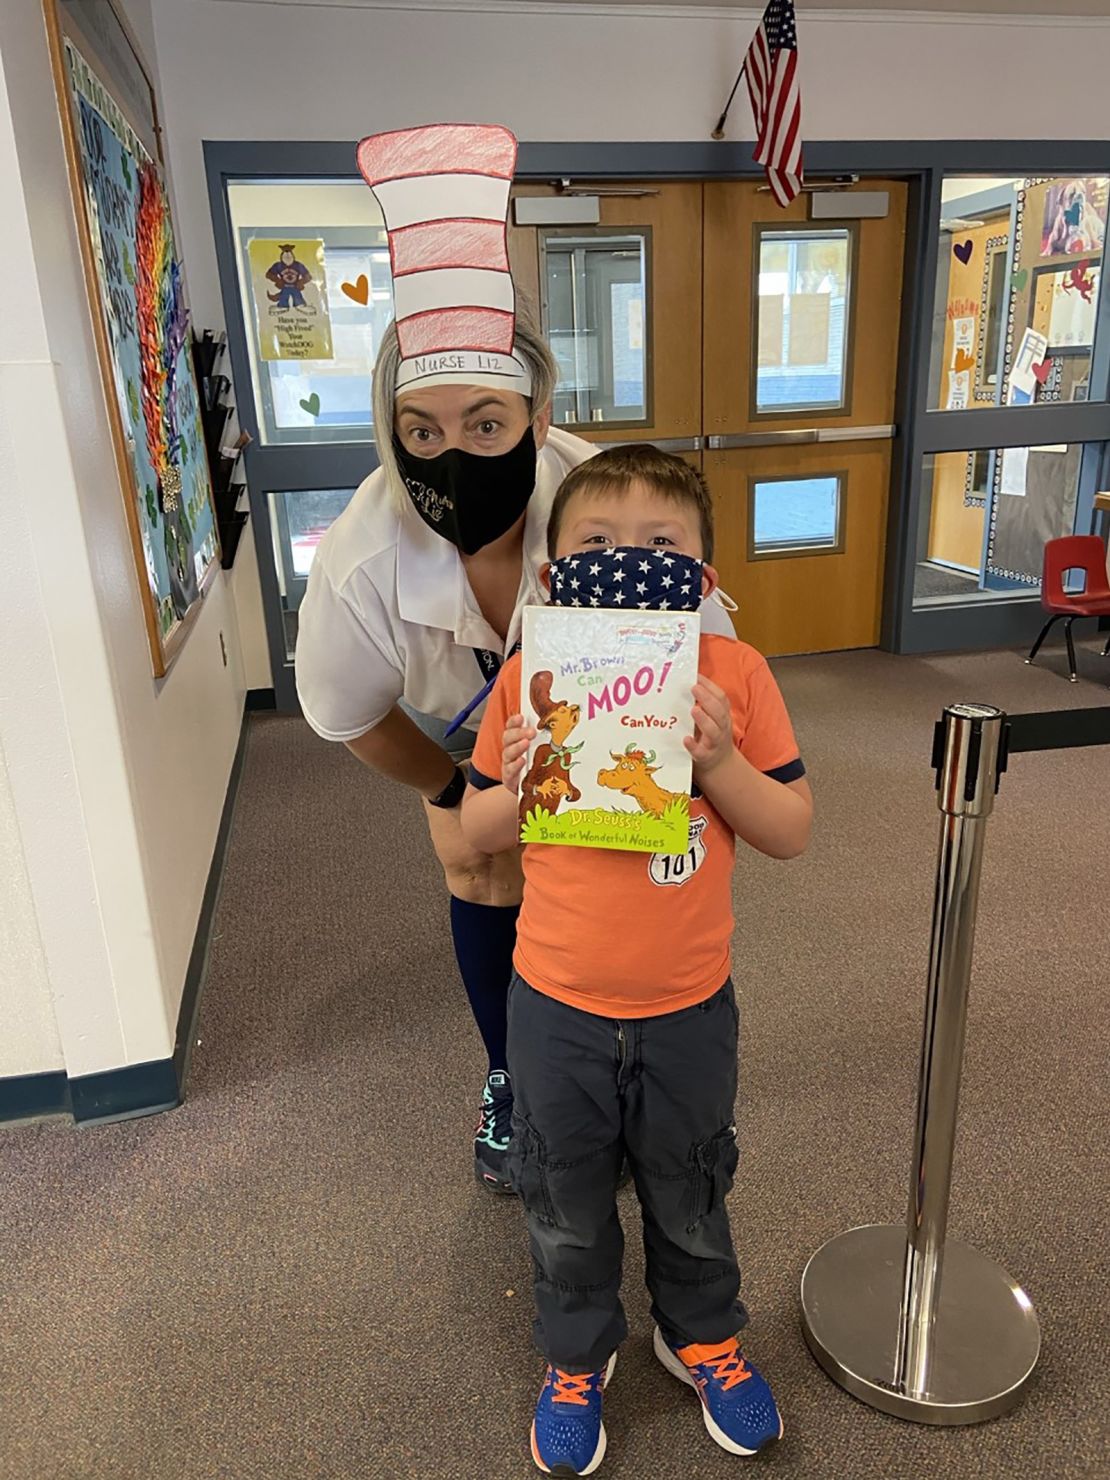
(610, 693)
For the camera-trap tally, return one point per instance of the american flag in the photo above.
(771, 69)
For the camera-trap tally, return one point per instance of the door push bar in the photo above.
(795, 436)
(664, 444)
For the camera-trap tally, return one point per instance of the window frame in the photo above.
(760, 231)
(569, 234)
(802, 551)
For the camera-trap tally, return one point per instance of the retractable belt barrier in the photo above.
(913, 1325)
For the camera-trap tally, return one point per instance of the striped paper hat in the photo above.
(444, 193)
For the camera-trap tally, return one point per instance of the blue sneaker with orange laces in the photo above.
(568, 1436)
(736, 1401)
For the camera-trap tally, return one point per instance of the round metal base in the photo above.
(985, 1342)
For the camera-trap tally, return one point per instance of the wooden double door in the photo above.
(762, 345)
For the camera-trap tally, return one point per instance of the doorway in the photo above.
(760, 344)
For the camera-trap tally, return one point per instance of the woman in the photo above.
(396, 611)
(416, 591)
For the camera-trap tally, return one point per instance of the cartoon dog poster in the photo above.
(290, 298)
(610, 695)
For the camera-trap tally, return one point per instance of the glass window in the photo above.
(317, 296)
(299, 519)
(795, 516)
(803, 296)
(596, 317)
(985, 517)
(1019, 279)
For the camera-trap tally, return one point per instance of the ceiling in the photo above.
(994, 7)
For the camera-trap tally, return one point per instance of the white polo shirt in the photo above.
(389, 613)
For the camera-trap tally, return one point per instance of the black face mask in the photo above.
(468, 499)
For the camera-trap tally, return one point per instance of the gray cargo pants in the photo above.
(589, 1090)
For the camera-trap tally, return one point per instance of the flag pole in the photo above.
(719, 131)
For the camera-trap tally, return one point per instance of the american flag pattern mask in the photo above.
(628, 578)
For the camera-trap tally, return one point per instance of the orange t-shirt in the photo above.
(631, 935)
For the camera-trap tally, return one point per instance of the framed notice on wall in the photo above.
(140, 317)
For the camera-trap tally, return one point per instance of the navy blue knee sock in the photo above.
(484, 936)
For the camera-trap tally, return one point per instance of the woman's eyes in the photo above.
(661, 539)
(489, 428)
(421, 434)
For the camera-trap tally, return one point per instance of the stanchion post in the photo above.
(966, 758)
(916, 1325)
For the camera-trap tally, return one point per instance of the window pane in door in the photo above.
(595, 313)
(795, 516)
(1019, 278)
(803, 299)
(299, 519)
(312, 339)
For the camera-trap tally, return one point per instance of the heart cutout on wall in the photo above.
(963, 250)
(964, 361)
(358, 290)
(1020, 278)
(312, 405)
(1042, 371)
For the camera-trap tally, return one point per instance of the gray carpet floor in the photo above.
(295, 1275)
(939, 580)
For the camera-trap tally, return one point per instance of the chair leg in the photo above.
(1043, 634)
(1106, 649)
(1071, 649)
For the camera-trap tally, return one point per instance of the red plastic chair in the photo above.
(1084, 552)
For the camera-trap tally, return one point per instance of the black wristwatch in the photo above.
(452, 793)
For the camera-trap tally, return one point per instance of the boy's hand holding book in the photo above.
(711, 743)
(514, 751)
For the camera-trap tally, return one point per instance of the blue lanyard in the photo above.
(489, 662)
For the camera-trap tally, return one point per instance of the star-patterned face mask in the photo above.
(628, 577)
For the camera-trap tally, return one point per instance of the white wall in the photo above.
(117, 780)
(289, 70)
(29, 1043)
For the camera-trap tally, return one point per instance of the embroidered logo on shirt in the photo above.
(680, 868)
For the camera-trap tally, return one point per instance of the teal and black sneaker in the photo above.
(491, 1140)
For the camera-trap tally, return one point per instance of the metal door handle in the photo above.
(664, 444)
(797, 435)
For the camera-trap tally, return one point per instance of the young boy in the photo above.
(622, 1017)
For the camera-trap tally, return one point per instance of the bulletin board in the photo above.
(140, 317)
(1059, 240)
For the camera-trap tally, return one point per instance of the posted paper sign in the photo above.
(290, 299)
(610, 694)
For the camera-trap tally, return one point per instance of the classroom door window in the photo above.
(803, 309)
(596, 306)
(317, 293)
(299, 519)
(795, 516)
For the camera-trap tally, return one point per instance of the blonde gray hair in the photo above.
(528, 344)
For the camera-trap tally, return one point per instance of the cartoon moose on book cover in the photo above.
(547, 781)
(634, 775)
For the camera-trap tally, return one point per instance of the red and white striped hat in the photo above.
(444, 193)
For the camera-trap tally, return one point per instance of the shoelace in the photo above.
(729, 1370)
(569, 1388)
